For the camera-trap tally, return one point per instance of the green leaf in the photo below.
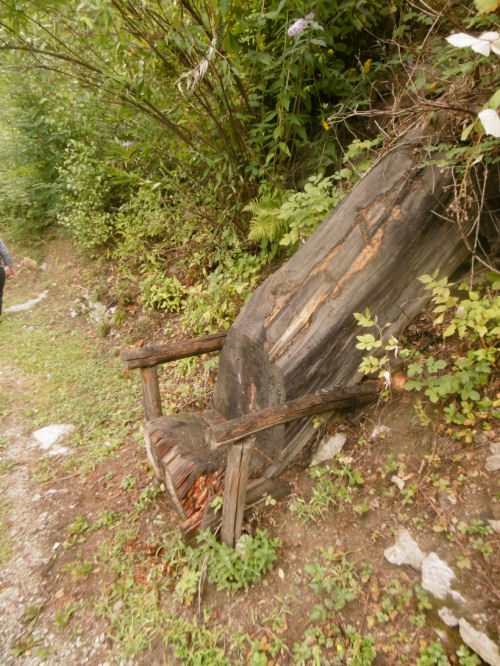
(450, 330)
(486, 6)
(467, 131)
(494, 101)
(284, 148)
(224, 7)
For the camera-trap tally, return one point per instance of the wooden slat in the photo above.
(235, 491)
(150, 356)
(308, 405)
(151, 393)
(256, 490)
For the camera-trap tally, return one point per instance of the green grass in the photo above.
(5, 541)
(67, 377)
(70, 380)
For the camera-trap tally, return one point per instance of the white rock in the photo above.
(495, 448)
(329, 448)
(495, 525)
(405, 551)
(493, 463)
(437, 576)
(47, 436)
(380, 431)
(480, 643)
(28, 304)
(448, 617)
(399, 482)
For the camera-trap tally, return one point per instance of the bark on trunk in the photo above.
(297, 333)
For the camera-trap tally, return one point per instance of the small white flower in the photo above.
(298, 26)
(387, 380)
(484, 44)
(490, 121)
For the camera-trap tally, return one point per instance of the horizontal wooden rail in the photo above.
(147, 357)
(308, 405)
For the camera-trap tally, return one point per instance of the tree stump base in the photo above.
(193, 473)
(181, 459)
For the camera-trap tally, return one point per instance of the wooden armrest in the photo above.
(148, 357)
(234, 430)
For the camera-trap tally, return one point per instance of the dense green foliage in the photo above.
(193, 144)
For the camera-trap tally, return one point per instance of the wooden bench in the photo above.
(188, 451)
(291, 352)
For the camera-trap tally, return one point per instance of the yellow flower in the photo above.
(367, 65)
(330, 51)
(340, 648)
(325, 125)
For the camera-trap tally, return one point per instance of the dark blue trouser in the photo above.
(2, 282)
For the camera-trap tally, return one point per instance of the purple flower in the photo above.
(127, 144)
(299, 25)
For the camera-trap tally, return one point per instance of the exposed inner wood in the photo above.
(294, 341)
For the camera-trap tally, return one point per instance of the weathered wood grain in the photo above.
(235, 491)
(297, 334)
(151, 397)
(308, 405)
(150, 356)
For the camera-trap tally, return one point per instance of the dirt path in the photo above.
(37, 518)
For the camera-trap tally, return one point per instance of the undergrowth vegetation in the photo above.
(192, 146)
(464, 385)
(187, 149)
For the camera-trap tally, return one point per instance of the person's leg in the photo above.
(2, 282)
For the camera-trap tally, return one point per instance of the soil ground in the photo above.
(49, 608)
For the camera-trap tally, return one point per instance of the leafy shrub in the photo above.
(227, 568)
(234, 568)
(163, 292)
(34, 132)
(459, 385)
(214, 303)
(287, 218)
(85, 206)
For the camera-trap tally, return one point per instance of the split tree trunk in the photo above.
(297, 335)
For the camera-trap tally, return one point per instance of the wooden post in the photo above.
(151, 393)
(235, 490)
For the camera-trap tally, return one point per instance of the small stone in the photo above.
(495, 448)
(28, 262)
(445, 499)
(448, 617)
(495, 509)
(480, 643)
(480, 438)
(399, 482)
(50, 434)
(495, 525)
(380, 432)
(118, 606)
(436, 576)
(405, 551)
(493, 463)
(329, 448)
